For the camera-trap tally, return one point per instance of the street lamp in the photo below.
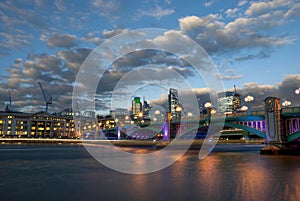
(249, 99)
(178, 109)
(297, 91)
(286, 103)
(157, 112)
(208, 107)
(244, 108)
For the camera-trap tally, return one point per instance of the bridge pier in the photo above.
(276, 138)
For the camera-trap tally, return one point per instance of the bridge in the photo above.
(281, 125)
(257, 123)
(278, 126)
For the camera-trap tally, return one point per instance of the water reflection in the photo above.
(221, 176)
(72, 174)
(232, 176)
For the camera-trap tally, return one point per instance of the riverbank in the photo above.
(159, 143)
(280, 149)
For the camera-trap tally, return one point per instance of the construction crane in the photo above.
(47, 101)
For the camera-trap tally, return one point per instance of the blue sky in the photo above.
(254, 44)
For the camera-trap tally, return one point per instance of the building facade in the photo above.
(136, 107)
(37, 125)
(175, 107)
(228, 102)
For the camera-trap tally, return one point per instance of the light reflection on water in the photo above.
(71, 174)
(224, 176)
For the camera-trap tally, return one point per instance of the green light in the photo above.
(137, 99)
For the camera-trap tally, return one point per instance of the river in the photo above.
(232, 172)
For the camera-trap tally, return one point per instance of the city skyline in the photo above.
(254, 45)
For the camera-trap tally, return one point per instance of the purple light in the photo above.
(166, 131)
(119, 133)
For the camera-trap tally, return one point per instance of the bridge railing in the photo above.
(290, 110)
(237, 114)
(257, 113)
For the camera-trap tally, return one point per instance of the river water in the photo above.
(232, 172)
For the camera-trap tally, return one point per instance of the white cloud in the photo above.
(157, 13)
(111, 33)
(294, 11)
(259, 55)
(285, 90)
(229, 74)
(56, 72)
(241, 33)
(107, 8)
(231, 12)
(62, 40)
(242, 2)
(200, 24)
(12, 42)
(258, 8)
(91, 37)
(208, 3)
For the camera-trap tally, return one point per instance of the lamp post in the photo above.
(286, 103)
(249, 99)
(208, 107)
(244, 108)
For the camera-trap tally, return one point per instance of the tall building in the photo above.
(146, 108)
(229, 101)
(136, 107)
(175, 108)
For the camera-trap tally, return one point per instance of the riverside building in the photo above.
(37, 125)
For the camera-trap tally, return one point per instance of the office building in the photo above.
(228, 102)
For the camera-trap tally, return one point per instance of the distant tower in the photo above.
(229, 101)
(272, 116)
(9, 104)
(175, 107)
(136, 107)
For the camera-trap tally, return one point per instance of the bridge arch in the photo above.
(247, 128)
(233, 125)
(293, 136)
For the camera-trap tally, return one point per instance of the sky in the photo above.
(254, 45)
